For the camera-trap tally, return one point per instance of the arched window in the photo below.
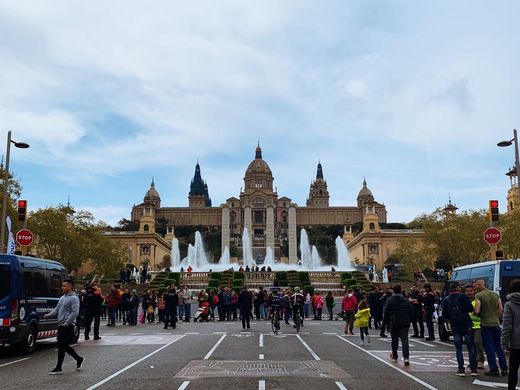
(146, 228)
(372, 226)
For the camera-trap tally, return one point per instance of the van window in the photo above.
(486, 273)
(55, 284)
(463, 276)
(35, 283)
(5, 281)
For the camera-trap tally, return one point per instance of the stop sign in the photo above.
(24, 237)
(492, 235)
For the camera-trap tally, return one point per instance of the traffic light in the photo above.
(493, 210)
(22, 210)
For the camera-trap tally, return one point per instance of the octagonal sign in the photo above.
(492, 235)
(24, 237)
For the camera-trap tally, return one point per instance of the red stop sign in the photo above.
(492, 235)
(24, 237)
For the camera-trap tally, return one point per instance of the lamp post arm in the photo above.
(5, 193)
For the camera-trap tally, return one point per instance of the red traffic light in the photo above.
(493, 203)
(22, 203)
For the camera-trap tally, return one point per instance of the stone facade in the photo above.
(271, 220)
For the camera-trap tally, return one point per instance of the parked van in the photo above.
(496, 274)
(29, 288)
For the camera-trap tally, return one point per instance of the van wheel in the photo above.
(75, 335)
(28, 345)
(443, 334)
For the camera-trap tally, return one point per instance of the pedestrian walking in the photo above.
(245, 304)
(171, 301)
(93, 301)
(66, 312)
(490, 311)
(361, 321)
(428, 301)
(398, 314)
(511, 332)
(455, 310)
(475, 327)
(415, 300)
(349, 305)
(329, 301)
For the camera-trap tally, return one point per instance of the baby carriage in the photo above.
(202, 313)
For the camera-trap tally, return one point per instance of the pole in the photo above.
(517, 163)
(6, 193)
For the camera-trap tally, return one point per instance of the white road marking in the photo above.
(490, 384)
(219, 332)
(390, 341)
(261, 385)
(133, 364)
(331, 334)
(192, 333)
(261, 340)
(261, 356)
(184, 385)
(443, 343)
(341, 385)
(316, 357)
(214, 347)
(414, 378)
(423, 343)
(13, 362)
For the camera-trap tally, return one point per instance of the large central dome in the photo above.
(258, 174)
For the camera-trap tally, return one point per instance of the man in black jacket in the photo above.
(93, 302)
(245, 303)
(171, 301)
(398, 314)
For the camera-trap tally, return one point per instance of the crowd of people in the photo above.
(471, 313)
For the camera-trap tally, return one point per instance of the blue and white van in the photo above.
(29, 288)
(496, 274)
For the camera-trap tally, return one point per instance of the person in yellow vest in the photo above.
(361, 319)
(475, 318)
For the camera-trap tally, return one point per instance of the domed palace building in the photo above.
(271, 220)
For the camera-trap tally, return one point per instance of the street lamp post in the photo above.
(517, 163)
(21, 145)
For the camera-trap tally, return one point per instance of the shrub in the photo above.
(175, 275)
(304, 277)
(239, 275)
(346, 275)
(213, 283)
(238, 283)
(168, 282)
(216, 275)
(281, 275)
(308, 289)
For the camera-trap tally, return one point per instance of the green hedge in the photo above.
(346, 275)
(281, 275)
(309, 289)
(168, 282)
(239, 275)
(175, 275)
(216, 275)
(213, 283)
(238, 283)
(304, 277)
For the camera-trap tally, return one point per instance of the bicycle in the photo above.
(297, 321)
(275, 322)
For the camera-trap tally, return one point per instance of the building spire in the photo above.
(258, 153)
(319, 172)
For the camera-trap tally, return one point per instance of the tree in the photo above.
(414, 254)
(73, 238)
(454, 239)
(166, 261)
(510, 226)
(127, 225)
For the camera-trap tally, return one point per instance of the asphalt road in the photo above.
(220, 355)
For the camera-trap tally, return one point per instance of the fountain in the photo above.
(176, 254)
(247, 249)
(305, 251)
(315, 256)
(343, 257)
(269, 258)
(224, 261)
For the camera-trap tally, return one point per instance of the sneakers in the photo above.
(460, 372)
(480, 365)
(79, 364)
(406, 362)
(368, 339)
(97, 338)
(56, 371)
(430, 338)
(474, 372)
(414, 336)
(492, 373)
(87, 338)
(503, 372)
(362, 343)
(393, 358)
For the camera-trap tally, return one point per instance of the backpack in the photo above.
(458, 317)
(215, 299)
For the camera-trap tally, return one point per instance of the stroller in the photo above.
(202, 313)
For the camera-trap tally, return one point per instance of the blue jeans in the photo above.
(262, 310)
(187, 311)
(306, 306)
(493, 347)
(181, 311)
(112, 315)
(466, 337)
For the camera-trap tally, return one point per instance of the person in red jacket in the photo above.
(349, 305)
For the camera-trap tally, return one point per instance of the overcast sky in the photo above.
(411, 95)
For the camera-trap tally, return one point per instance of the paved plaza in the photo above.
(219, 355)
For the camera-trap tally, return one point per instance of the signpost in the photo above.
(24, 237)
(492, 235)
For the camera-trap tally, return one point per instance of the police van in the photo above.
(496, 274)
(29, 288)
